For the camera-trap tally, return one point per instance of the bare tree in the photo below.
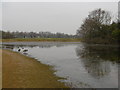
(94, 24)
(100, 16)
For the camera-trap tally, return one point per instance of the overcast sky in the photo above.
(63, 17)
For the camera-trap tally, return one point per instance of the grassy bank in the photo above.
(42, 39)
(23, 72)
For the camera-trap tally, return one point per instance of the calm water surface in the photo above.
(83, 65)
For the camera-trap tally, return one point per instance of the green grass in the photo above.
(42, 39)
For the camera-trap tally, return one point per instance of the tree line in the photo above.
(98, 27)
(10, 35)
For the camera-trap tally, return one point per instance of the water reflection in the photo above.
(96, 59)
(11, 46)
(99, 52)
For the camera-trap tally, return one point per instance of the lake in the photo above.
(82, 65)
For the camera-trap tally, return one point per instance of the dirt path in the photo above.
(23, 72)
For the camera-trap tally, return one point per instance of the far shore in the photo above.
(41, 39)
(20, 71)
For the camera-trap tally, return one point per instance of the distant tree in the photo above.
(17, 34)
(6, 35)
